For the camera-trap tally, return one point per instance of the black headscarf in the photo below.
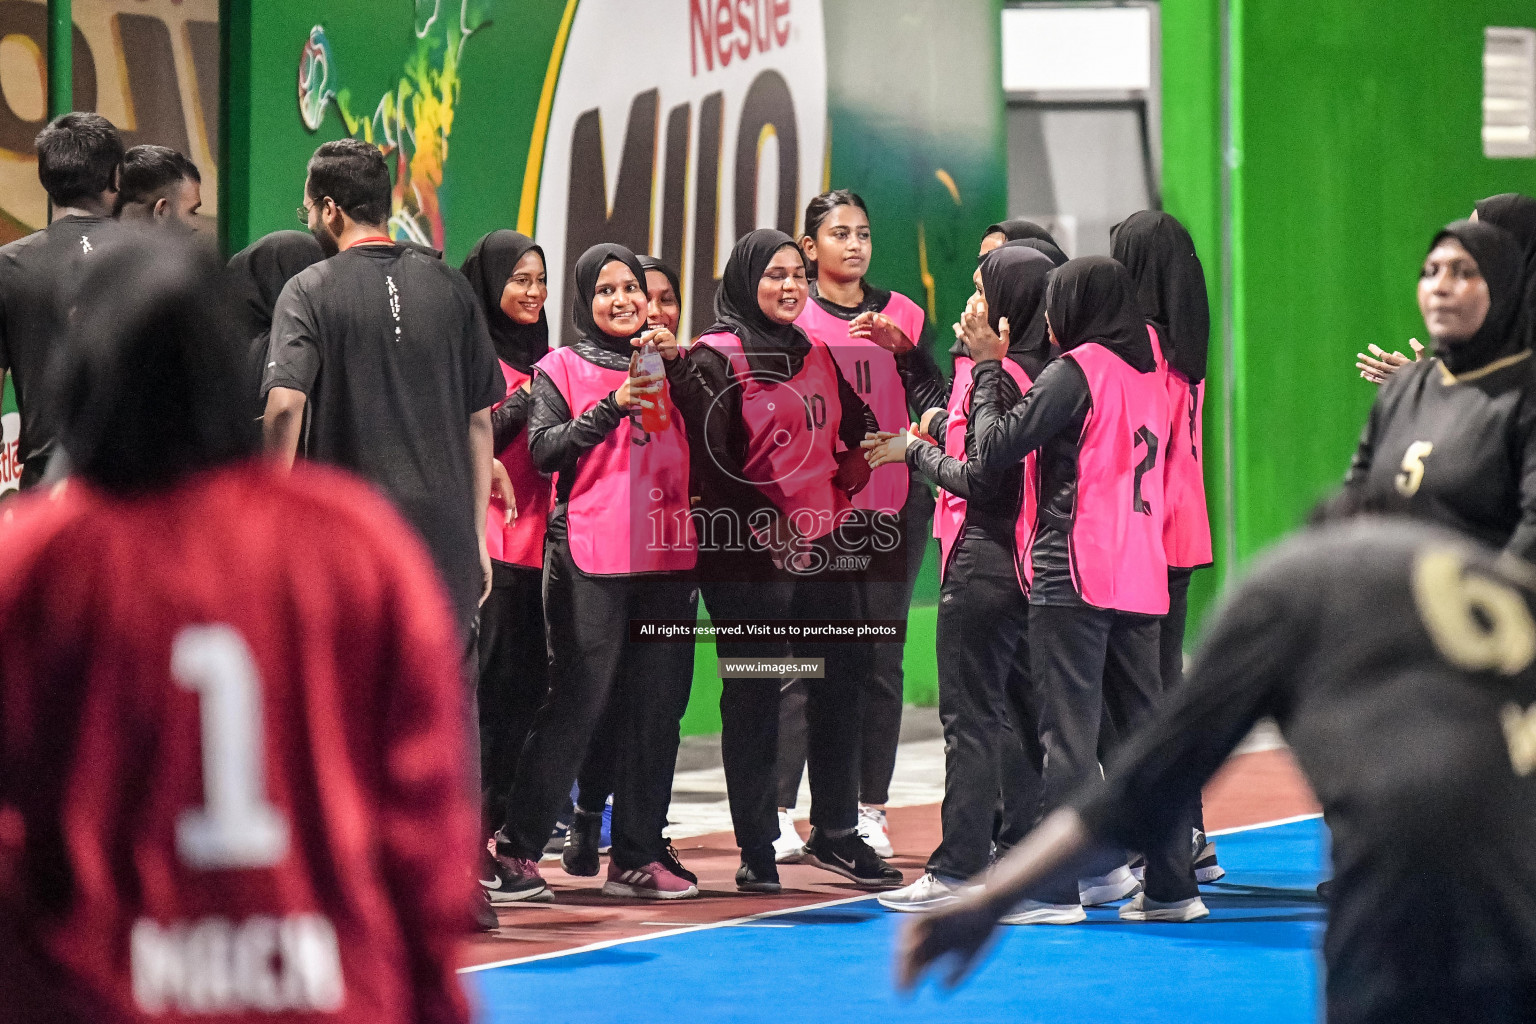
(1499, 260)
(488, 267)
(1516, 214)
(259, 271)
(1170, 286)
(736, 308)
(1055, 255)
(1017, 228)
(588, 268)
(1093, 298)
(1013, 278)
(255, 276)
(653, 263)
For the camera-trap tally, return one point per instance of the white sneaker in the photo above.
(927, 893)
(789, 846)
(873, 828)
(1116, 885)
(1179, 912)
(1035, 912)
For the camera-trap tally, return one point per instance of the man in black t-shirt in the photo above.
(380, 362)
(78, 159)
(1400, 663)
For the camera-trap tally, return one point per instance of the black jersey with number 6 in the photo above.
(1400, 663)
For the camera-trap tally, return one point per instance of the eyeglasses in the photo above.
(304, 215)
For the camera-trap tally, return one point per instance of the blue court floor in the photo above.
(1254, 961)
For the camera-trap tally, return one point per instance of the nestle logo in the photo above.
(729, 30)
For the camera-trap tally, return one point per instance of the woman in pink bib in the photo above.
(879, 341)
(619, 550)
(1098, 577)
(775, 463)
(985, 699)
(594, 784)
(506, 271)
(1170, 292)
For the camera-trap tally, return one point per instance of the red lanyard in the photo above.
(373, 238)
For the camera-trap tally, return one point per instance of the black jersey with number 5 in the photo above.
(1457, 450)
(1400, 663)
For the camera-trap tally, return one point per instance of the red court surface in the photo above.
(1251, 788)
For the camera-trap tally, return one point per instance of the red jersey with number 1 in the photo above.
(231, 747)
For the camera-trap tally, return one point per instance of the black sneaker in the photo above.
(512, 880)
(1204, 855)
(670, 861)
(851, 857)
(580, 856)
(757, 877)
(485, 916)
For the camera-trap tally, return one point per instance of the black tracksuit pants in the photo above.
(1172, 650)
(592, 664)
(986, 704)
(514, 679)
(749, 708)
(1083, 660)
(881, 702)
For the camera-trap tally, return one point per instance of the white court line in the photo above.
(737, 922)
(730, 923)
(1265, 824)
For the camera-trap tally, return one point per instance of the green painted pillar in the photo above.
(61, 58)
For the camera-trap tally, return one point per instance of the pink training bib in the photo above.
(792, 436)
(1116, 544)
(628, 510)
(521, 543)
(871, 370)
(1187, 530)
(949, 515)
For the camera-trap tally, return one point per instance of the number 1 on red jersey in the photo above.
(236, 827)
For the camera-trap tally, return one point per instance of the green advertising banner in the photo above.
(673, 128)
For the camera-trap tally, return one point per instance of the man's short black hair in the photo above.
(353, 174)
(149, 172)
(78, 155)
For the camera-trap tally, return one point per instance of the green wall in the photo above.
(1358, 133)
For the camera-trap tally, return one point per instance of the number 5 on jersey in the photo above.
(236, 827)
(1412, 476)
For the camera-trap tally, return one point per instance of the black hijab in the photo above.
(1499, 260)
(1013, 278)
(256, 276)
(1170, 286)
(1055, 255)
(1016, 229)
(1093, 298)
(736, 308)
(1516, 214)
(588, 268)
(653, 263)
(488, 267)
(259, 271)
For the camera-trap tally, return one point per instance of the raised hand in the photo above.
(1380, 364)
(882, 330)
